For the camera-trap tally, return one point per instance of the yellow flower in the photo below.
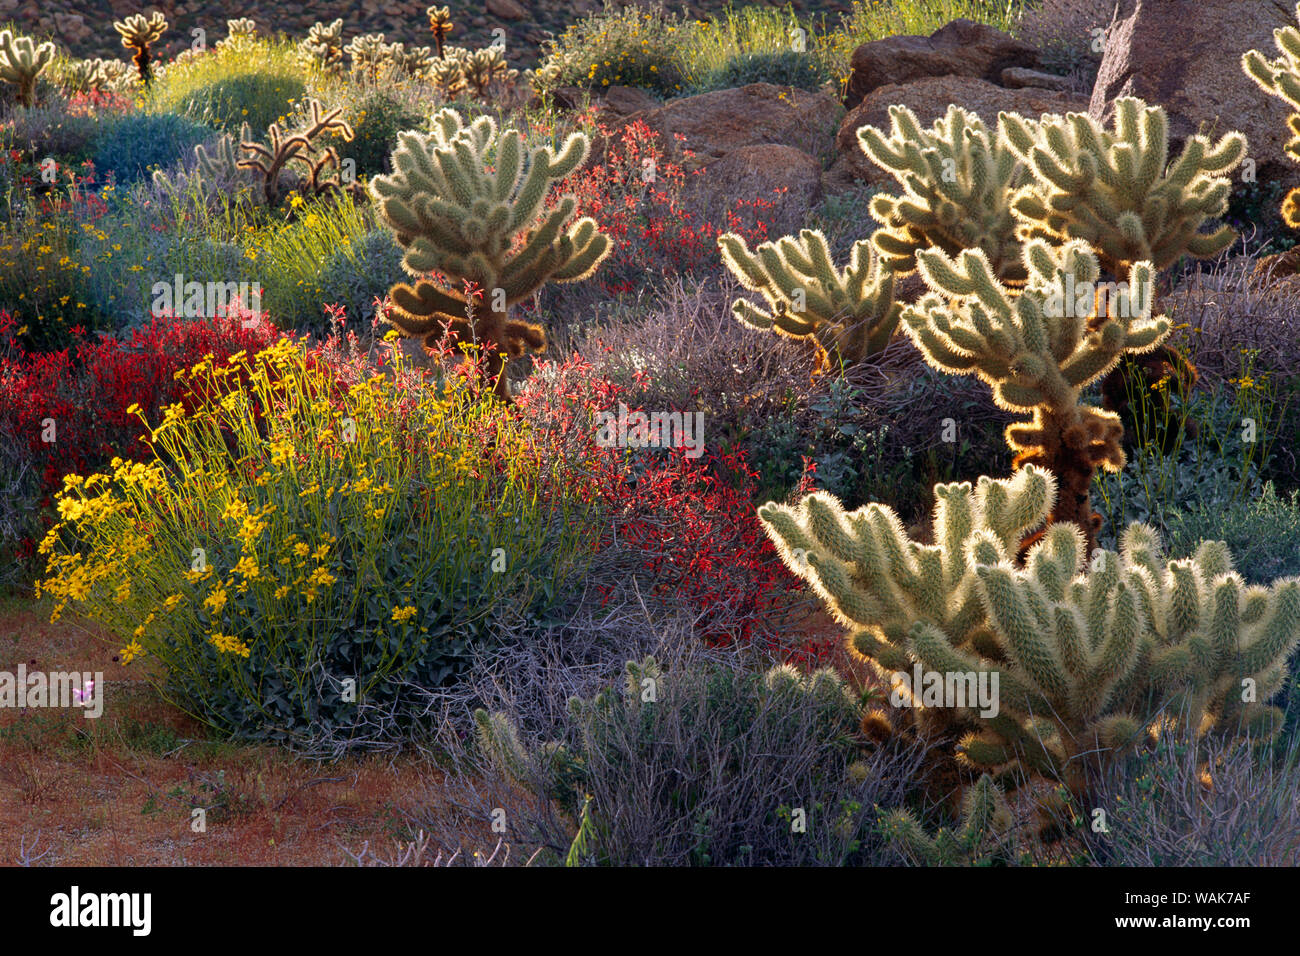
(228, 644)
(216, 600)
(131, 652)
(403, 614)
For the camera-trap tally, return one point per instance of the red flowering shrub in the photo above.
(688, 525)
(68, 409)
(634, 193)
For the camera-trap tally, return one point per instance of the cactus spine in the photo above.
(1281, 78)
(1038, 350)
(849, 313)
(1110, 187)
(139, 34)
(21, 62)
(1087, 658)
(958, 180)
(491, 228)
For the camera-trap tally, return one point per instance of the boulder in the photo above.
(1019, 78)
(507, 9)
(785, 176)
(961, 48)
(930, 99)
(1186, 56)
(712, 125)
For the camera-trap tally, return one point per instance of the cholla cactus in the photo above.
(21, 62)
(485, 69)
(985, 835)
(441, 25)
(491, 227)
(1281, 78)
(83, 76)
(1038, 350)
(299, 149)
(213, 171)
(879, 582)
(368, 53)
(958, 181)
(239, 32)
(449, 76)
(413, 61)
(139, 34)
(1110, 187)
(324, 46)
(1086, 659)
(850, 313)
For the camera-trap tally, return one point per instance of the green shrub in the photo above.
(1263, 532)
(360, 271)
(135, 144)
(47, 271)
(780, 67)
(369, 533)
(258, 99)
(703, 763)
(1221, 464)
(632, 46)
(379, 117)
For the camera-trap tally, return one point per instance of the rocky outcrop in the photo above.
(1186, 56)
(961, 48)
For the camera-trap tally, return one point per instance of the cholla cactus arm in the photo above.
(491, 227)
(849, 312)
(1110, 188)
(83, 76)
(1037, 351)
(21, 62)
(958, 179)
(1280, 77)
(139, 34)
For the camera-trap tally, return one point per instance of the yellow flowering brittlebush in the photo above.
(294, 542)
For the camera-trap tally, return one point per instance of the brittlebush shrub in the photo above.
(294, 537)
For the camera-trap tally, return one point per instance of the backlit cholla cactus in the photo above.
(489, 226)
(1111, 188)
(413, 61)
(1281, 78)
(485, 70)
(83, 76)
(300, 150)
(958, 179)
(368, 53)
(440, 24)
(324, 46)
(1038, 350)
(1088, 656)
(878, 582)
(21, 62)
(847, 313)
(239, 32)
(139, 34)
